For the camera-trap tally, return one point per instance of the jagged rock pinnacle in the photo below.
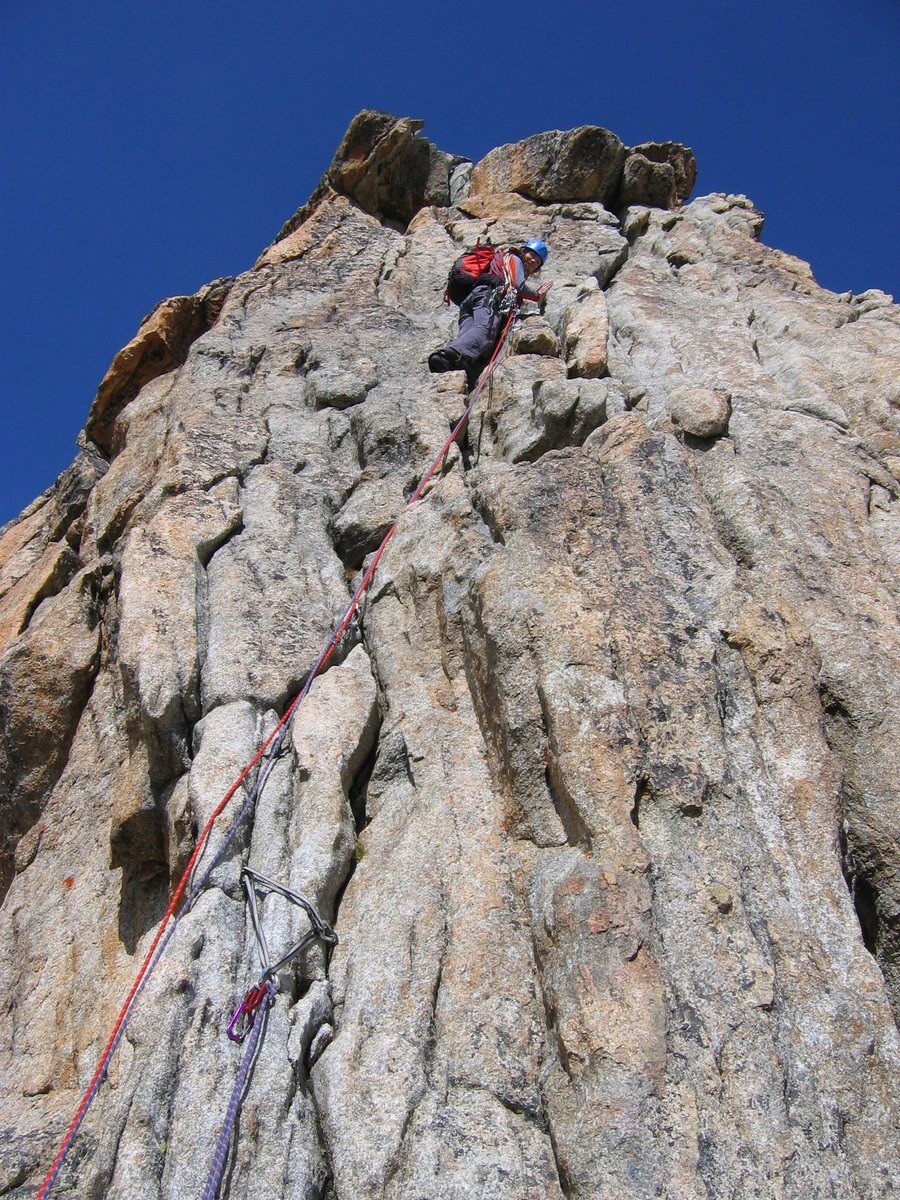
(600, 791)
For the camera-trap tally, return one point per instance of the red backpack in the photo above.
(469, 270)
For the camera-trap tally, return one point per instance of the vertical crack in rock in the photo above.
(865, 862)
(206, 551)
(562, 1175)
(100, 1183)
(864, 895)
(357, 793)
(642, 794)
(47, 677)
(326, 1191)
(359, 785)
(577, 832)
(431, 1035)
(555, 1056)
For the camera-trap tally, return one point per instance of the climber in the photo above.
(498, 285)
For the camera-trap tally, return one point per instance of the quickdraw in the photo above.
(255, 887)
(250, 1015)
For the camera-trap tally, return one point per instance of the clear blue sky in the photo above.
(150, 147)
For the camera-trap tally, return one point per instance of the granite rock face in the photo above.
(661, 174)
(159, 345)
(387, 170)
(588, 163)
(599, 793)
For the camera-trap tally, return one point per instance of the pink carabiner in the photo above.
(241, 1022)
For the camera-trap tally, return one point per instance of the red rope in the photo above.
(123, 1012)
(336, 636)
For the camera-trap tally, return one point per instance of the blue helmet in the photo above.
(540, 248)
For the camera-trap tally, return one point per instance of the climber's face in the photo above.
(532, 261)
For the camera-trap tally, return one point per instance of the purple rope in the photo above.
(223, 1141)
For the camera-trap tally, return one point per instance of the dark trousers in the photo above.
(479, 329)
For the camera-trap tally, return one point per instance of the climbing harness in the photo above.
(189, 888)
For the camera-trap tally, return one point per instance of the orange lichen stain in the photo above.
(573, 886)
(69, 882)
(109, 946)
(599, 921)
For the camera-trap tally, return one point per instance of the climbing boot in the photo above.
(444, 360)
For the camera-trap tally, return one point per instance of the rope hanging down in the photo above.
(223, 1141)
(265, 758)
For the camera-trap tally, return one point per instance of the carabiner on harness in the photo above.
(508, 301)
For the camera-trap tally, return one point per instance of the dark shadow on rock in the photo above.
(142, 903)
